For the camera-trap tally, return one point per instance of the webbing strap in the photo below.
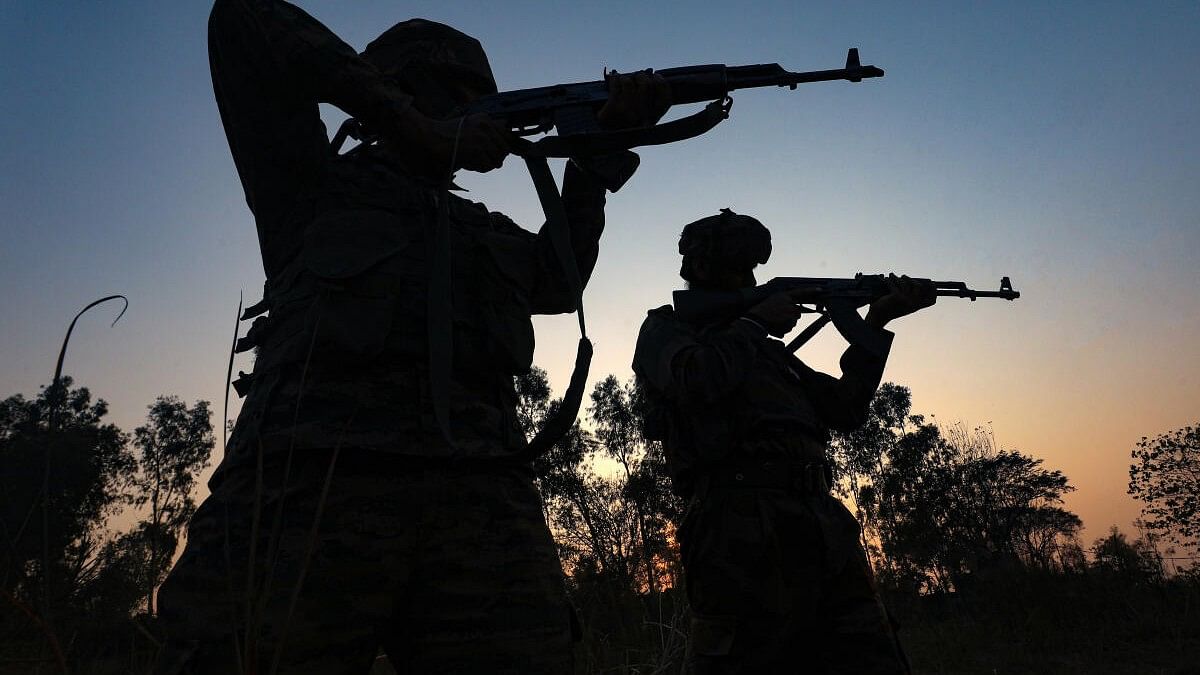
(559, 231)
(439, 323)
(608, 142)
(560, 421)
(441, 312)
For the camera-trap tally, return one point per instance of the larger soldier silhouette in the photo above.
(345, 517)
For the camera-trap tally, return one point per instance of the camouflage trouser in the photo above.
(448, 570)
(779, 583)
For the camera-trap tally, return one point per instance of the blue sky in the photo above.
(1055, 143)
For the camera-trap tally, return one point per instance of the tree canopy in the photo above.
(938, 505)
(66, 474)
(1165, 477)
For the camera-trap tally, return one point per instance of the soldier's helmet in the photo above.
(426, 56)
(727, 240)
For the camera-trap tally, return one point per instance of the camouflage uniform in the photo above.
(449, 571)
(437, 551)
(776, 575)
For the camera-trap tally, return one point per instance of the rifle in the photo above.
(838, 301)
(571, 110)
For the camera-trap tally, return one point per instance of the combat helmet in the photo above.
(423, 56)
(728, 240)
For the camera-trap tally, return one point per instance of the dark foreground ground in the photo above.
(1027, 625)
(1024, 624)
(1019, 624)
(1054, 625)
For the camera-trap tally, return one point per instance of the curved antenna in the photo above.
(67, 338)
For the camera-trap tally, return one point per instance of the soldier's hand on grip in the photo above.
(635, 100)
(780, 312)
(476, 143)
(906, 296)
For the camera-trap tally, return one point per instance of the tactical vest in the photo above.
(344, 348)
(768, 416)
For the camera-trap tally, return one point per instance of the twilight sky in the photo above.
(1055, 143)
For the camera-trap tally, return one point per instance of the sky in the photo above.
(1057, 144)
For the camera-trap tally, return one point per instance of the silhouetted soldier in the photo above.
(344, 516)
(776, 576)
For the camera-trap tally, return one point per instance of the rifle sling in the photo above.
(559, 231)
(608, 142)
(440, 308)
(808, 333)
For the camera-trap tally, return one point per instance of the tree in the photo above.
(1165, 476)
(605, 492)
(90, 471)
(67, 581)
(173, 447)
(556, 470)
(1114, 555)
(618, 413)
(608, 502)
(62, 481)
(1010, 503)
(938, 505)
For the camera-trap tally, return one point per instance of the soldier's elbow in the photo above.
(221, 19)
(228, 17)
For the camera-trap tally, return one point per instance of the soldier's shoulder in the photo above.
(662, 335)
(505, 225)
(659, 317)
(661, 327)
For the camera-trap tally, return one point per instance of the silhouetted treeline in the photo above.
(975, 551)
(939, 505)
(75, 592)
(609, 504)
(972, 544)
(1165, 476)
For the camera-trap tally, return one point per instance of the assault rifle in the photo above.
(571, 110)
(838, 301)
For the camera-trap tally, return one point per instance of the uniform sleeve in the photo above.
(271, 65)
(690, 367)
(843, 403)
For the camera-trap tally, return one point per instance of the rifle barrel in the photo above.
(958, 289)
(972, 294)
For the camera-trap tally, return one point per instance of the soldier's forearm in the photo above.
(315, 63)
(584, 199)
(862, 372)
